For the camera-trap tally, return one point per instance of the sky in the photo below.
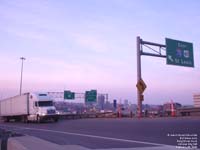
(91, 44)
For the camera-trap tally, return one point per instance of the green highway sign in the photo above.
(69, 95)
(91, 96)
(179, 53)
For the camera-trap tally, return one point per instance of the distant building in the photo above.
(126, 105)
(101, 101)
(196, 98)
(114, 104)
(108, 106)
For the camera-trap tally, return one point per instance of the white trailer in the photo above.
(28, 107)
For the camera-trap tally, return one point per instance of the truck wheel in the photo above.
(38, 119)
(55, 119)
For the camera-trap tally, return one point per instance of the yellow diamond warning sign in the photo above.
(141, 86)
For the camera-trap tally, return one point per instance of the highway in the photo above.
(102, 133)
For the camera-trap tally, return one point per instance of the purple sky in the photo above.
(91, 44)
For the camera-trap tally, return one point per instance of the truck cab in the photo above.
(41, 107)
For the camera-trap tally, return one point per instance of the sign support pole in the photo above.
(178, 53)
(140, 83)
(139, 106)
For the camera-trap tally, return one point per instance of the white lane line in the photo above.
(91, 136)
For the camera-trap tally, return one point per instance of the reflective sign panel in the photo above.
(179, 53)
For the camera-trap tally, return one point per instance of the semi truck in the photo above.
(28, 107)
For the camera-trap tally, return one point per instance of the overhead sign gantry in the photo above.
(176, 53)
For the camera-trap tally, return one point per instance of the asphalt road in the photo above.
(112, 133)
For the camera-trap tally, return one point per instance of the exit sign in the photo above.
(179, 53)
(91, 96)
(69, 95)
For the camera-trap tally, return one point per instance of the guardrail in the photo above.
(95, 115)
(88, 115)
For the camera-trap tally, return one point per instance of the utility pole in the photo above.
(22, 58)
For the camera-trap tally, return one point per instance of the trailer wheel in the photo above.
(6, 119)
(25, 119)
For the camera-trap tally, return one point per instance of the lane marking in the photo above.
(88, 135)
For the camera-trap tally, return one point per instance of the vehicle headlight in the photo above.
(42, 114)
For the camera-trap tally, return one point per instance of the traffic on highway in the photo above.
(99, 75)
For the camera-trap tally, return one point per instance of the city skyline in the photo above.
(91, 44)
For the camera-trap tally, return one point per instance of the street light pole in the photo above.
(22, 58)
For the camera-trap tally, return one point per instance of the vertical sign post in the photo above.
(139, 106)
